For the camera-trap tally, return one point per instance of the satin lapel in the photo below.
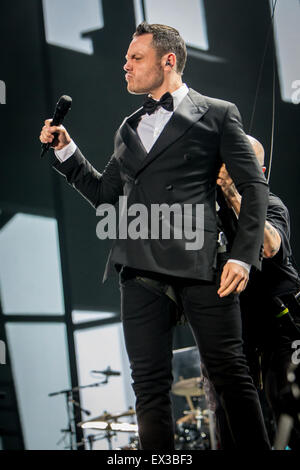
(189, 111)
(130, 137)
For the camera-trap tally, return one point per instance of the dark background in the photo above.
(37, 74)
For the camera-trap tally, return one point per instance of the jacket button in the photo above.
(136, 181)
(187, 156)
(169, 187)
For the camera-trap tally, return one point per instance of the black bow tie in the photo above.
(166, 101)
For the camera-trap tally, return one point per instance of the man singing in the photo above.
(169, 152)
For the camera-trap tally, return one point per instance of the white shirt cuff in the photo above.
(66, 152)
(245, 265)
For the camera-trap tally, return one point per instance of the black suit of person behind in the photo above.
(182, 167)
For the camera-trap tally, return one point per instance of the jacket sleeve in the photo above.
(96, 187)
(237, 153)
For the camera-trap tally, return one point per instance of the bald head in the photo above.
(258, 149)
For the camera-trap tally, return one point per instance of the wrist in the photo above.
(233, 200)
(231, 192)
(64, 153)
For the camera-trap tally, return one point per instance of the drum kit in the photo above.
(194, 428)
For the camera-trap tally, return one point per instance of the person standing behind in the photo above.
(269, 305)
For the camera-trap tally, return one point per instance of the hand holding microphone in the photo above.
(53, 134)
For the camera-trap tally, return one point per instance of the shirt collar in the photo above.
(179, 94)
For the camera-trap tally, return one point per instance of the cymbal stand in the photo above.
(91, 438)
(70, 428)
(70, 402)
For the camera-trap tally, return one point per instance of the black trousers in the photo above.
(148, 322)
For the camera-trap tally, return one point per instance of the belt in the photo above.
(164, 289)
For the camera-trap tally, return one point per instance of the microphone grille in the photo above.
(64, 103)
(66, 98)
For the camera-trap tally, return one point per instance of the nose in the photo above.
(126, 66)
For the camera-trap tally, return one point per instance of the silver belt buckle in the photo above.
(222, 242)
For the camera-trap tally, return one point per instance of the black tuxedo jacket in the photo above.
(181, 167)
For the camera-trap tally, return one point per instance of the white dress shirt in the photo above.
(151, 125)
(148, 130)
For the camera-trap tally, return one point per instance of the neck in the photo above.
(168, 85)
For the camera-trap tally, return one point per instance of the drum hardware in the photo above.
(91, 438)
(109, 424)
(133, 444)
(71, 403)
(195, 429)
(192, 430)
(108, 372)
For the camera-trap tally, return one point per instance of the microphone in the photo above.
(62, 107)
(106, 372)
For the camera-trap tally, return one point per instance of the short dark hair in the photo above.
(165, 39)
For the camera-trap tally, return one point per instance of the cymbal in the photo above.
(189, 387)
(105, 426)
(109, 417)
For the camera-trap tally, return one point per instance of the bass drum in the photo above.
(189, 437)
(132, 445)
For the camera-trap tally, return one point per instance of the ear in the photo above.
(169, 61)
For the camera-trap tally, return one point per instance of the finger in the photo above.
(231, 287)
(47, 135)
(230, 279)
(53, 129)
(241, 286)
(44, 139)
(224, 274)
(228, 272)
(226, 278)
(48, 122)
(45, 132)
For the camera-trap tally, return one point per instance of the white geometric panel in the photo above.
(40, 365)
(97, 349)
(287, 41)
(187, 17)
(65, 20)
(80, 316)
(30, 269)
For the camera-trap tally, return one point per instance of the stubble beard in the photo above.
(157, 81)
